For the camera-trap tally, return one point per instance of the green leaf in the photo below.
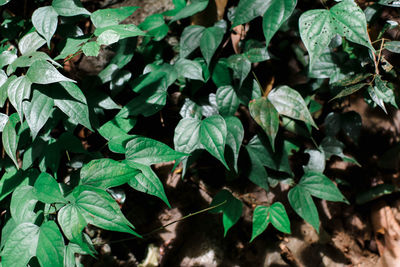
(13, 179)
(250, 9)
(147, 182)
(320, 186)
(105, 38)
(3, 121)
(21, 245)
(4, 89)
(91, 49)
(69, 8)
(265, 114)
(209, 42)
(318, 26)
(30, 43)
(50, 248)
(101, 210)
(6, 58)
(106, 173)
(23, 202)
(28, 59)
(212, 135)
(10, 138)
(194, 7)
(189, 69)
(47, 190)
(276, 14)
(148, 151)
(190, 39)
(392, 46)
(45, 20)
(384, 92)
(111, 16)
(256, 171)
(187, 135)
(71, 46)
(372, 91)
(348, 90)
(3, 2)
(278, 217)
(234, 138)
(260, 221)
(38, 111)
(227, 100)
(19, 90)
(190, 109)
(123, 30)
(316, 163)
(241, 67)
(303, 204)
(289, 102)
(231, 209)
(42, 72)
(155, 26)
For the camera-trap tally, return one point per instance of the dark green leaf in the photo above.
(50, 248)
(241, 67)
(189, 69)
(210, 40)
(10, 137)
(155, 26)
(260, 221)
(23, 202)
(190, 39)
(47, 189)
(194, 7)
(19, 90)
(42, 72)
(227, 100)
(303, 204)
(187, 134)
(250, 9)
(234, 138)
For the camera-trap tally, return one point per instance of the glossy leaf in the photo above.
(21, 245)
(227, 100)
(190, 39)
(250, 9)
(194, 7)
(234, 138)
(189, 69)
(303, 204)
(187, 134)
(45, 20)
(265, 114)
(10, 137)
(42, 72)
(231, 209)
(69, 8)
(260, 221)
(111, 16)
(30, 43)
(190, 109)
(393, 46)
(38, 111)
(91, 49)
(23, 202)
(148, 151)
(241, 67)
(320, 186)
(147, 182)
(47, 189)
(106, 38)
(19, 90)
(6, 58)
(155, 26)
(318, 26)
(209, 42)
(106, 173)
(278, 217)
(50, 248)
(123, 30)
(276, 14)
(289, 102)
(212, 135)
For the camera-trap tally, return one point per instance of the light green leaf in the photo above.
(392, 46)
(148, 182)
(111, 16)
(30, 43)
(101, 210)
(316, 162)
(190, 109)
(250, 9)
(265, 114)
(209, 42)
(212, 135)
(42, 72)
(148, 151)
(278, 217)
(234, 138)
(155, 26)
(45, 20)
(91, 49)
(318, 26)
(320, 186)
(19, 90)
(106, 173)
(303, 204)
(106, 38)
(20, 246)
(260, 221)
(3, 2)
(187, 134)
(190, 39)
(227, 100)
(194, 7)
(276, 14)
(72, 46)
(231, 209)
(189, 69)
(28, 59)
(3, 121)
(289, 102)
(241, 67)
(12, 179)
(50, 248)
(10, 138)
(23, 202)
(6, 58)
(68, 8)
(47, 189)
(123, 30)
(4, 89)
(38, 111)
(372, 91)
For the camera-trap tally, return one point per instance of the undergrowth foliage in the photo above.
(52, 187)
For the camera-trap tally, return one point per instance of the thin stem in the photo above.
(380, 51)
